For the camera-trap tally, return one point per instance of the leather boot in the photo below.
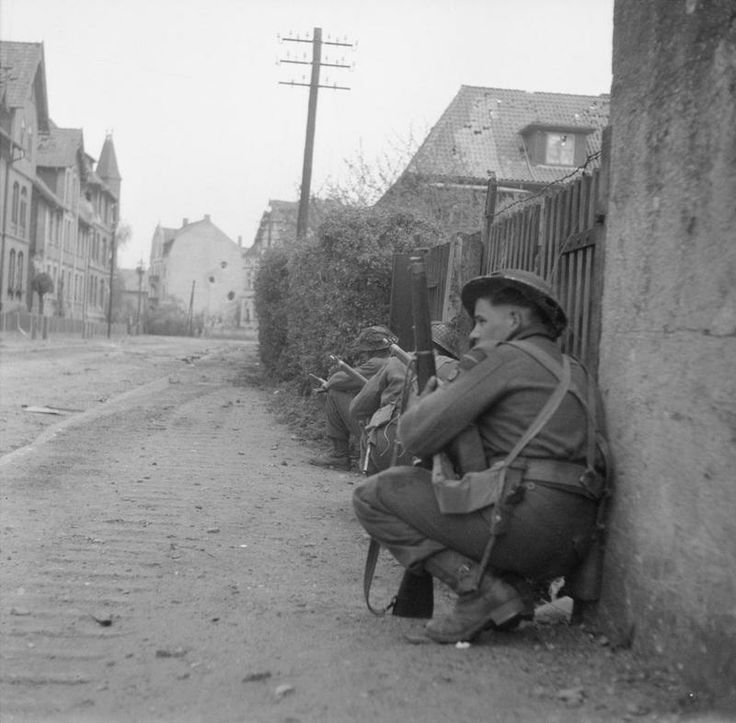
(527, 595)
(494, 601)
(339, 458)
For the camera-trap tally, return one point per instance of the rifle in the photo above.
(318, 379)
(415, 598)
(400, 354)
(356, 375)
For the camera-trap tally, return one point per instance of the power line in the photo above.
(314, 85)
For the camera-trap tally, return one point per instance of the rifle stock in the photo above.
(403, 356)
(356, 375)
(415, 598)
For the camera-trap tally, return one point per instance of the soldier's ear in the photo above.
(516, 318)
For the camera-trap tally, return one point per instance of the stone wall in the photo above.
(668, 348)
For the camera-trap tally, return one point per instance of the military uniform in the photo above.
(378, 405)
(372, 343)
(341, 388)
(444, 526)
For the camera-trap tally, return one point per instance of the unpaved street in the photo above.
(169, 555)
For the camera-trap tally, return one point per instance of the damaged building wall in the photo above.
(668, 348)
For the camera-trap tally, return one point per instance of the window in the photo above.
(14, 206)
(11, 273)
(560, 149)
(19, 275)
(67, 186)
(23, 211)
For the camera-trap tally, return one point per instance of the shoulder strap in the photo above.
(587, 401)
(547, 410)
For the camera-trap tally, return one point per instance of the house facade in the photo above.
(277, 229)
(523, 140)
(59, 207)
(23, 116)
(200, 268)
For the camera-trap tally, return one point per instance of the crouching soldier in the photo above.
(379, 403)
(372, 349)
(529, 511)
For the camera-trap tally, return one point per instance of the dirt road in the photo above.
(169, 555)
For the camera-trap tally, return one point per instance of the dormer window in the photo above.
(560, 149)
(548, 145)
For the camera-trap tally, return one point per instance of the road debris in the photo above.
(282, 691)
(256, 677)
(48, 410)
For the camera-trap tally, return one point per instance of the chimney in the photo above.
(240, 241)
(206, 217)
(184, 222)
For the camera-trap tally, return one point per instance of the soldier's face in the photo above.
(493, 323)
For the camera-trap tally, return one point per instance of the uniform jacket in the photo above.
(386, 387)
(502, 389)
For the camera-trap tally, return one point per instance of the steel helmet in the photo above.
(443, 337)
(374, 338)
(533, 287)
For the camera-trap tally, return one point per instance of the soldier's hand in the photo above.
(432, 384)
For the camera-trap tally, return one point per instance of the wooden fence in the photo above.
(558, 235)
(35, 326)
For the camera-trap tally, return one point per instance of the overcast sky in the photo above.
(189, 88)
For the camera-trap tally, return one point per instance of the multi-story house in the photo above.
(23, 116)
(60, 249)
(277, 229)
(58, 210)
(198, 267)
(101, 196)
(524, 140)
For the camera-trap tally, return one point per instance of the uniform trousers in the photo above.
(548, 531)
(339, 423)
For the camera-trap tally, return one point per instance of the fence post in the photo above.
(488, 215)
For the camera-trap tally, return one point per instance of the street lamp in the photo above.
(140, 270)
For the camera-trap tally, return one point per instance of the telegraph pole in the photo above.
(314, 86)
(113, 253)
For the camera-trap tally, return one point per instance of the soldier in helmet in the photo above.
(372, 349)
(528, 511)
(378, 404)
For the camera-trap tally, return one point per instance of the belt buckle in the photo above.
(589, 482)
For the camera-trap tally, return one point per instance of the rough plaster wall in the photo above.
(668, 348)
(198, 254)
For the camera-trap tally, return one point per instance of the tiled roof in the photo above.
(480, 133)
(18, 66)
(59, 147)
(107, 166)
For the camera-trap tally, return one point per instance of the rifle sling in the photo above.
(370, 569)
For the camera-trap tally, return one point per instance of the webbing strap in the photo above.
(549, 408)
(588, 402)
(370, 569)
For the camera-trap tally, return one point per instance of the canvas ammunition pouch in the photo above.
(381, 417)
(475, 490)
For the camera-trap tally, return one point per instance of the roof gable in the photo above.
(480, 132)
(21, 67)
(60, 147)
